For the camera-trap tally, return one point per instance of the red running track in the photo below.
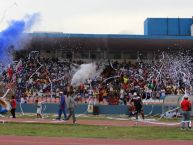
(27, 140)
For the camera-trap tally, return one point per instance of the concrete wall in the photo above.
(82, 109)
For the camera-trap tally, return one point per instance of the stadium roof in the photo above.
(71, 35)
(115, 41)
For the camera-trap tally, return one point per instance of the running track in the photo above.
(26, 140)
(29, 140)
(88, 122)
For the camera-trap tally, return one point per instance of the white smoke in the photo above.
(84, 72)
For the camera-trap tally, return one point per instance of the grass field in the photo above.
(87, 131)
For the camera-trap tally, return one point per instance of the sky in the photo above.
(93, 16)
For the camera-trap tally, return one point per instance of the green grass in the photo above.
(88, 131)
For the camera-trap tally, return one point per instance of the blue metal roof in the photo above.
(118, 36)
(168, 26)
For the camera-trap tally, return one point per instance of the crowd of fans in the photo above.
(35, 77)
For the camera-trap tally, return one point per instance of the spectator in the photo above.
(13, 106)
(45, 76)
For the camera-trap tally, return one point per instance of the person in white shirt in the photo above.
(39, 108)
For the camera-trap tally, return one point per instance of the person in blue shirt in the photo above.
(62, 106)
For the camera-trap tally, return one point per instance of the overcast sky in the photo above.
(93, 16)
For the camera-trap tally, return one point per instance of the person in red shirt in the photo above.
(13, 106)
(186, 108)
(9, 73)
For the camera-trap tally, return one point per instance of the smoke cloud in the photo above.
(13, 37)
(85, 72)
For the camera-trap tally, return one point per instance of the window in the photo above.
(96, 55)
(126, 55)
(84, 55)
(133, 55)
(114, 55)
(92, 56)
(142, 55)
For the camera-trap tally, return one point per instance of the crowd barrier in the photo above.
(83, 109)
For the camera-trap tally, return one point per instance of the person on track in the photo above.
(137, 104)
(186, 108)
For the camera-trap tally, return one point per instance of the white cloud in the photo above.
(94, 16)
